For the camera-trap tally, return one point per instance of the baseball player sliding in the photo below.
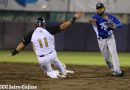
(104, 24)
(43, 42)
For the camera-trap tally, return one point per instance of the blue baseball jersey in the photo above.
(101, 28)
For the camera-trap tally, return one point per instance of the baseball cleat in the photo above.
(61, 76)
(118, 74)
(57, 72)
(69, 71)
(52, 74)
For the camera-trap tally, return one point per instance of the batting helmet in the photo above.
(40, 22)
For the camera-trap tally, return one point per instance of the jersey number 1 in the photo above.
(45, 41)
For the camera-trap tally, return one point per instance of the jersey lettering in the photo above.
(103, 26)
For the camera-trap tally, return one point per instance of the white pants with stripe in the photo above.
(108, 47)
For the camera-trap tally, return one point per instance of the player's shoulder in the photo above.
(95, 16)
(110, 15)
(53, 28)
(26, 39)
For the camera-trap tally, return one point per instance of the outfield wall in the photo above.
(79, 37)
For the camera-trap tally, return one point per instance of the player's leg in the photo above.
(105, 52)
(52, 58)
(115, 58)
(49, 71)
(60, 65)
(46, 67)
(67, 71)
(106, 55)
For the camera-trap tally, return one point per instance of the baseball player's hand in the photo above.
(14, 52)
(78, 15)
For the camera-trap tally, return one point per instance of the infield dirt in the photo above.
(85, 77)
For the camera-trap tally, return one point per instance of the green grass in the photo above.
(77, 58)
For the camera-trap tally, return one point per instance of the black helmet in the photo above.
(40, 22)
(99, 5)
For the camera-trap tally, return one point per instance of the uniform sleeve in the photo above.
(53, 29)
(27, 38)
(95, 17)
(117, 22)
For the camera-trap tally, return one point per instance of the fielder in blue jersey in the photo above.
(104, 24)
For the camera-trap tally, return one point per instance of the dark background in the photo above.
(79, 37)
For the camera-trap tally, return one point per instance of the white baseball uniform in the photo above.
(44, 46)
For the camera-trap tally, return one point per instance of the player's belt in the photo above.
(44, 55)
(104, 37)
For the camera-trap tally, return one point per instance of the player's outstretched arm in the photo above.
(92, 20)
(69, 23)
(18, 49)
(24, 42)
